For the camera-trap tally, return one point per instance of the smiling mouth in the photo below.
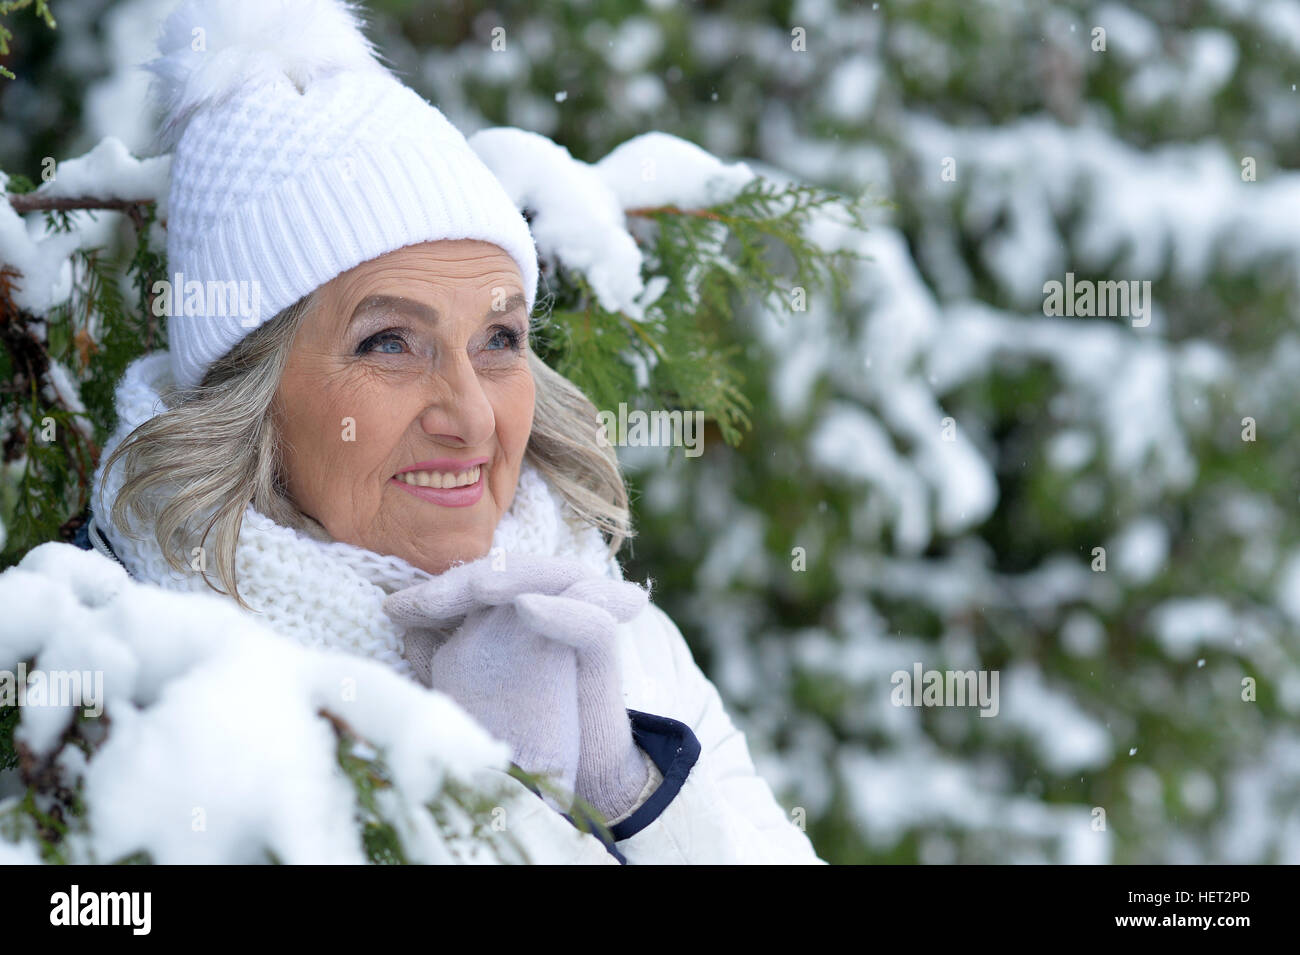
(443, 485)
(440, 479)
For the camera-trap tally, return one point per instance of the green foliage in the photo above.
(369, 776)
(712, 261)
(709, 261)
(45, 484)
(972, 66)
(42, 10)
(9, 718)
(126, 328)
(51, 808)
(702, 258)
(19, 185)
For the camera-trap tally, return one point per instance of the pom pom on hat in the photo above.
(297, 156)
(210, 50)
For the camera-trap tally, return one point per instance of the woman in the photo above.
(372, 459)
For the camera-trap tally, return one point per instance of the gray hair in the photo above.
(191, 471)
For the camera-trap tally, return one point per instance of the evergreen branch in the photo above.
(364, 765)
(45, 487)
(94, 334)
(9, 715)
(651, 212)
(641, 333)
(683, 336)
(18, 184)
(23, 203)
(52, 807)
(368, 777)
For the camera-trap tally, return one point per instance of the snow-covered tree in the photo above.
(643, 254)
(923, 464)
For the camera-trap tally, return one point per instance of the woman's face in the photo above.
(407, 402)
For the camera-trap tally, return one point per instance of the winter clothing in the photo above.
(296, 157)
(276, 564)
(704, 802)
(514, 665)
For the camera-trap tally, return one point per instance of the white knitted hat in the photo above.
(297, 156)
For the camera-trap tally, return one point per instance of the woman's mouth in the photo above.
(446, 487)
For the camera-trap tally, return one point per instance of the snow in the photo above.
(1070, 449)
(42, 260)
(1114, 368)
(1129, 412)
(1066, 738)
(506, 66)
(1129, 406)
(736, 552)
(1281, 21)
(965, 490)
(635, 44)
(1288, 587)
(887, 373)
(112, 104)
(851, 91)
(530, 111)
(578, 220)
(804, 340)
(923, 788)
(109, 171)
(855, 165)
(1082, 634)
(1186, 624)
(655, 169)
(215, 751)
(1198, 791)
(645, 93)
(1259, 792)
(1211, 61)
(848, 442)
(63, 388)
(1134, 202)
(20, 854)
(1141, 549)
(1130, 35)
(42, 256)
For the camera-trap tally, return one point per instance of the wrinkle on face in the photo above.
(452, 388)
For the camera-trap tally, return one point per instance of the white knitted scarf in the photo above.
(325, 594)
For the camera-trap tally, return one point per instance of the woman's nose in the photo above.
(458, 409)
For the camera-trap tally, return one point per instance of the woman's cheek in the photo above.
(332, 453)
(513, 407)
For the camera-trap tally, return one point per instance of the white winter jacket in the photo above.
(712, 806)
(709, 804)
(705, 803)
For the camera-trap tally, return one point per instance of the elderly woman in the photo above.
(375, 460)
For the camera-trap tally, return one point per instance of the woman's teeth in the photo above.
(440, 478)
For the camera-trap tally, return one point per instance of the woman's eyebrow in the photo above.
(427, 313)
(395, 303)
(518, 300)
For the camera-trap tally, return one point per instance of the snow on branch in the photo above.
(197, 735)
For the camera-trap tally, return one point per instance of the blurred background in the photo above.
(934, 465)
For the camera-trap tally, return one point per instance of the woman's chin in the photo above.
(444, 559)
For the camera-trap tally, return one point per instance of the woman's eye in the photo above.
(508, 336)
(386, 343)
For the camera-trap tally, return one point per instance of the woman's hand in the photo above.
(611, 768)
(535, 662)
